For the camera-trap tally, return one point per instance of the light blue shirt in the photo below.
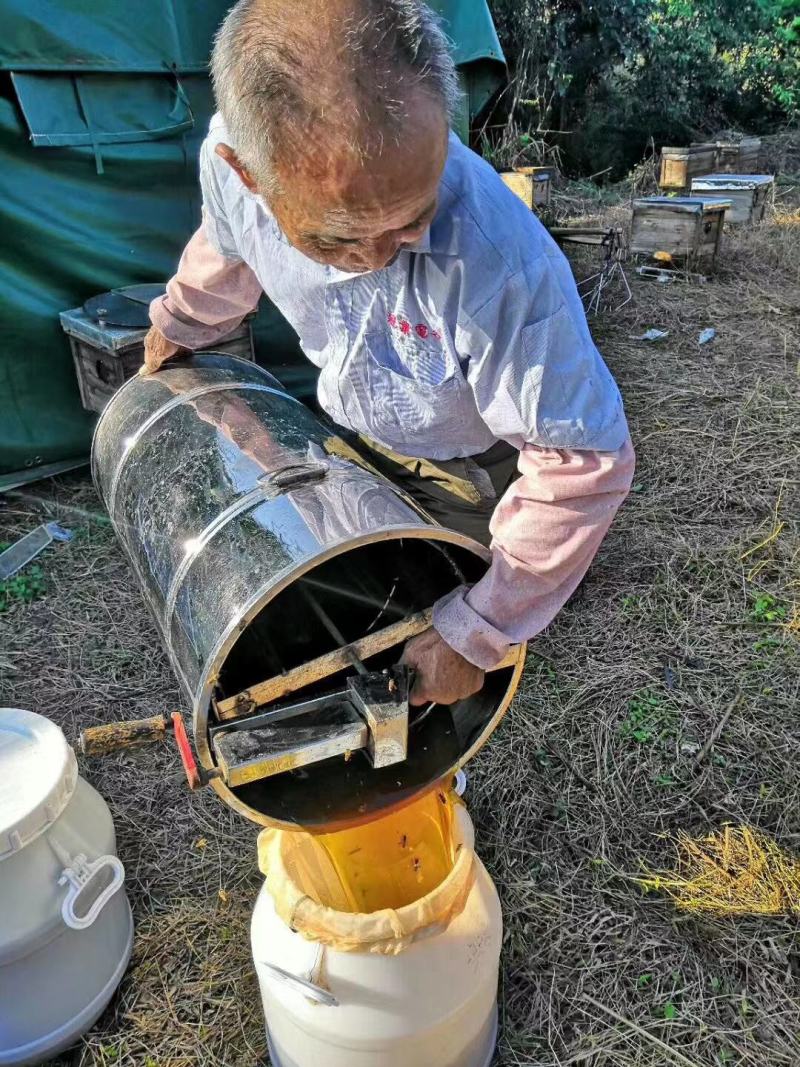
(473, 335)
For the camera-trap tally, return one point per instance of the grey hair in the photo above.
(267, 85)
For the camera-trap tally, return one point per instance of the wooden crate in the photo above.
(689, 229)
(106, 356)
(680, 165)
(531, 184)
(738, 157)
(748, 194)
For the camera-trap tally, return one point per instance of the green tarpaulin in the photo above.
(103, 107)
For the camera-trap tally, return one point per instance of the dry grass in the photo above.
(610, 744)
(733, 871)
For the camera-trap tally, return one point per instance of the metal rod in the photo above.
(286, 711)
(373, 602)
(332, 629)
(385, 606)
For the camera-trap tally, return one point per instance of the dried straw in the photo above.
(735, 871)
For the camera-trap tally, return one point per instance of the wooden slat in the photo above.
(324, 666)
(331, 663)
(579, 235)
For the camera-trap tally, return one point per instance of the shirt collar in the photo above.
(442, 236)
(423, 245)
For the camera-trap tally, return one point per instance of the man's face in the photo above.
(356, 216)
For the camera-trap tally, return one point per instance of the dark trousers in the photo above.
(460, 494)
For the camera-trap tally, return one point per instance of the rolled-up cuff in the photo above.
(468, 632)
(191, 335)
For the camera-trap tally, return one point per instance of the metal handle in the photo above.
(79, 876)
(295, 475)
(300, 985)
(193, 775)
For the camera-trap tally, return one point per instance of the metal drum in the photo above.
(255, 533)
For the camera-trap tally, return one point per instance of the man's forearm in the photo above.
(207, 298)
(546, 531)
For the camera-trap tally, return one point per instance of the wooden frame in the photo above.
(330, 663)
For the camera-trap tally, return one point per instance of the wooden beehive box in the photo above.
(531, 184)
(680, 165)
(106, 356)
(748, 194)
(738, 157)
(688, 229)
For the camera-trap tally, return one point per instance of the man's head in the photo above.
(338, 112)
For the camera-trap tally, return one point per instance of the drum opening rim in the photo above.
(201, 710)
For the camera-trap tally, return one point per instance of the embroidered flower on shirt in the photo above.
(421, 329)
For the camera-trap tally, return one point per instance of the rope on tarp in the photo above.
(83, 104)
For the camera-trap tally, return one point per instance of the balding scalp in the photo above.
(289, 76)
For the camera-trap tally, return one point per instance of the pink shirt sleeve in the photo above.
(207, 298)
(545, 533)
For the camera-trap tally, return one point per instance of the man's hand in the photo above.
(157, 349)
(443, 675)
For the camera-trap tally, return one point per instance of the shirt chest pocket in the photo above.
(406, 395)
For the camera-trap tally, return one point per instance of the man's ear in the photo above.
(230, 157)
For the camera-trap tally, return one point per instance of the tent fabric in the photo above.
(101, 121)
(73, 109)
(102, 35)
(96, 35)
(470, 27)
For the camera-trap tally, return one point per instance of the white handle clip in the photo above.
(79, 876)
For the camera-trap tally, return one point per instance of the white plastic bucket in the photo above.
(66, 929)
(425, 999)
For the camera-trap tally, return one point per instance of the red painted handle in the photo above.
(185, 749)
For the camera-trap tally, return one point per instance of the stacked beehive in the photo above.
(706, 184)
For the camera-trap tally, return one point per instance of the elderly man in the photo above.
(446, 325)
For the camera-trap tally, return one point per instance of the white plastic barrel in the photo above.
(66, 929)
(432, 1004)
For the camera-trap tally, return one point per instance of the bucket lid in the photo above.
(38, 774)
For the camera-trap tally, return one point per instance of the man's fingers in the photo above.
(426, 691)
(157, 350)
(443, 676)
(410, 658)
(154, 361)
(419, 693)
